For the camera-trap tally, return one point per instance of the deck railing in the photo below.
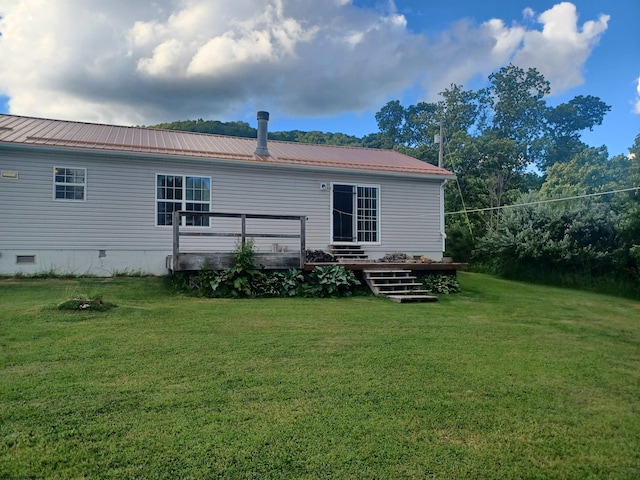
(243, 234)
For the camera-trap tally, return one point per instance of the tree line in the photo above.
(508, 147)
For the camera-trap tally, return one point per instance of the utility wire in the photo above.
(611, 192)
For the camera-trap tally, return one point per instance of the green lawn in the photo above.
(504, 380)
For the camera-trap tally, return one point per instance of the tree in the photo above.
(630, 219)
(564, 124)
(391, 120)
(587, 172)
(518, 108)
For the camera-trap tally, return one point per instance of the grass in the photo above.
(504, 380)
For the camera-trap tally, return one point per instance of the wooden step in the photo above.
(375, 273)
(399, 286)
(412, 298)
(348, 252)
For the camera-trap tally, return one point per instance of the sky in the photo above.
(325, 65)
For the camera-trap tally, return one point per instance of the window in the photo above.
(69, 183)
(367, 214)
(356, 213)
(177, 192)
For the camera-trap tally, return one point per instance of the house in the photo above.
(83, 198)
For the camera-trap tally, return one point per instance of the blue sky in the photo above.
(314, 65)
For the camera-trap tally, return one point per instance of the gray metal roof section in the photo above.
(112, 138)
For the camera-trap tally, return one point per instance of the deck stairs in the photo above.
(399, 286)
(348, 253)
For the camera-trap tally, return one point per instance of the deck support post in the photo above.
(175, 222)
(243, 233)
(303, 234)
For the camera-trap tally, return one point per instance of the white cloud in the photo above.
(561, 49)
(144, 62)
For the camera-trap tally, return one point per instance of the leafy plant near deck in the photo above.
(245, 280)
(440, 284)
(239, 280)
(331, 281)
(291, 282)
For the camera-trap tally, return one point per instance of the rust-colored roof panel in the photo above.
(78, 135)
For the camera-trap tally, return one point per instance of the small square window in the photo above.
(69, 183)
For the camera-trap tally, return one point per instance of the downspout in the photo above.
(443, 234)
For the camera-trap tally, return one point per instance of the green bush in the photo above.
(291, 283)
(331, 281)
(577, 238)
(244, 280)
(440, 284)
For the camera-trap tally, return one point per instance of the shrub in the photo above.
(331, 281)
(242, 279)
(440, 284)
(291, 283)
(577, 238)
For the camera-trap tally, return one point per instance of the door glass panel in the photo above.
(343, 210)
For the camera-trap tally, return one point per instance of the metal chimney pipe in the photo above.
(263, 121)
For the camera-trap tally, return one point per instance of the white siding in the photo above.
(118, 216)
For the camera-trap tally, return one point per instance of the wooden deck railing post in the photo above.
(243, 233)
(303, 234)
(175, 219)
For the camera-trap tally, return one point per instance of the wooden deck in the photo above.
(285, 260)
(190, 261)
(432, 267)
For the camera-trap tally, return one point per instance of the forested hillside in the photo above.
(243, 129)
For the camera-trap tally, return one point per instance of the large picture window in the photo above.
(69, 183)
(355, 213)
(180, 192)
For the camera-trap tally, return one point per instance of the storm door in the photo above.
(344, 205)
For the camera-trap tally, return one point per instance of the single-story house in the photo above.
(84, 198)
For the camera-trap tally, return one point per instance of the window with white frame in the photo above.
(69, 183)
(367, 214)
(182, 192)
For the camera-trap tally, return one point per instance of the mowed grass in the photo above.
(504, 380)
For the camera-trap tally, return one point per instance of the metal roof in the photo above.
(112, 138)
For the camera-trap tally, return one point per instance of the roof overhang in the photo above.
(255, 162)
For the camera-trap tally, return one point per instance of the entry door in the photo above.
(344, 201)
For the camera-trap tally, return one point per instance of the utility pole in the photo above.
(441, 145)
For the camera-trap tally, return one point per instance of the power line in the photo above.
(587, 195)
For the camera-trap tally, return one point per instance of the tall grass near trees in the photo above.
(503, 380)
